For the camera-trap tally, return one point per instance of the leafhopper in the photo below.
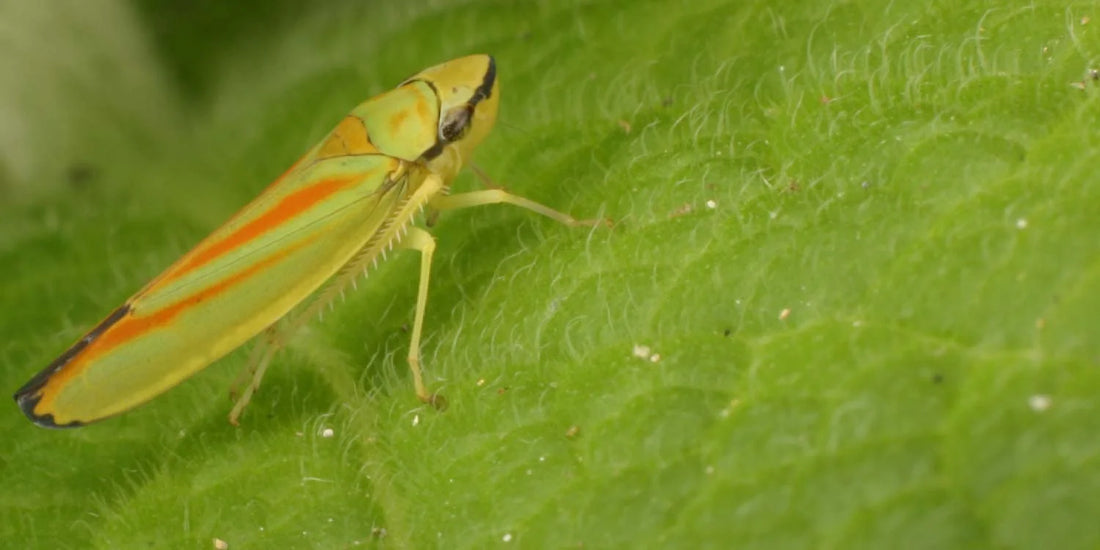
(291, 252)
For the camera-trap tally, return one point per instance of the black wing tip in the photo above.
(30, 394)
(27, 400)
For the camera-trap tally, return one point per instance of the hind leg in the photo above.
(254, 370)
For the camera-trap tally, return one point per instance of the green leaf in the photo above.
(850, 299)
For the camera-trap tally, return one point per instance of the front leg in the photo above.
(422, 241)
(500, 196)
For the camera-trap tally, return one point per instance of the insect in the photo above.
(328, 219)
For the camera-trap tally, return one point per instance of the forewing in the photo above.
(236, 282)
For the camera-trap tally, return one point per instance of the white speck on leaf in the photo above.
(728, 410)
(644, 353)
(1039, 402)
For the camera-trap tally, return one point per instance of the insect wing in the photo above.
(239, 280)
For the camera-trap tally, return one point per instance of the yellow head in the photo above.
(468, 95)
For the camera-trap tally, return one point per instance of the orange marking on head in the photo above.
(290, 206)
(397, 121)
(423, 111)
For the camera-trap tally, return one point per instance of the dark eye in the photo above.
(455, 123)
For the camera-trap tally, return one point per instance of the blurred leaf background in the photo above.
(851, 300)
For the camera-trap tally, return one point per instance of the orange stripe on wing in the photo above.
(135, 325)
(290, 206)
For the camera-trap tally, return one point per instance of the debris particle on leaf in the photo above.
(1039, 402)
(728, 410)
(645, 353)
(784, 314)
(683, 210)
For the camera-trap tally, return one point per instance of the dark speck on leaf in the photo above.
(80, 174)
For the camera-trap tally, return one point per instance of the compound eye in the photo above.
(455, 123)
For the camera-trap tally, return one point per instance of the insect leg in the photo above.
(262, 343)
(418, 239)
(484, 178)
(500, 196)
(258, 361)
